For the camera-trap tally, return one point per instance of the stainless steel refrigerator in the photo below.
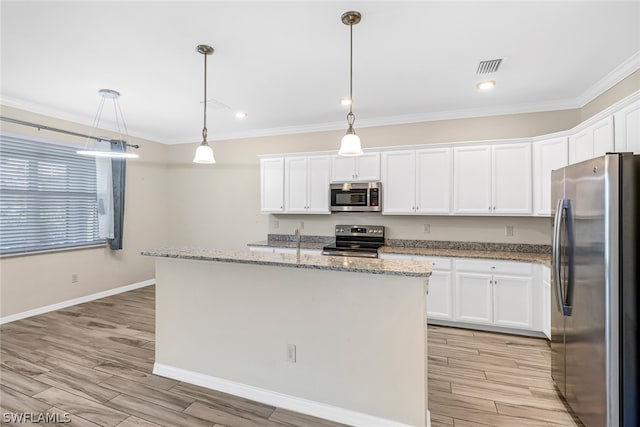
(595, 286)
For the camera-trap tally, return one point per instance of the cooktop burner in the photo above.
(356, 240)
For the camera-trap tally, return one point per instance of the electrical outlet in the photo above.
(427, 228)
(509, 230)
(276, 224)
(291, 353)
(301, 225)
(75, 278)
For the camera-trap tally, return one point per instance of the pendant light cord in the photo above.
(350, 116)
(204, 127)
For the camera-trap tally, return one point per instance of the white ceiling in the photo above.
(286, 63)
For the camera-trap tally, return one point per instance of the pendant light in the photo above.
(204, 153)
(350, 144)
(108, 94)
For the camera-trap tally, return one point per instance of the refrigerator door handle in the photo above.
(555, 253)
(564, 301)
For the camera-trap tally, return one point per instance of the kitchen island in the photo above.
(339, 338)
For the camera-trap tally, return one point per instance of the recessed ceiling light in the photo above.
(489, 84)
(241, 115)
(345, 101)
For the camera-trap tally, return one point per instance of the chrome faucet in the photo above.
(297, 236)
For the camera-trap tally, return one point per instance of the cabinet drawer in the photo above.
(438, 263)
(494, 267)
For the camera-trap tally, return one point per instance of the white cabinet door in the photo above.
(473, 298)
(440, 296)
(581, 146)
(318, 184)
(627, 128)
(511, 178)
(434, 171)
(398, 182)
(512, 301)
(368, 167)
(603, 137)
(546, 301)
(548, 155)
(360, 168)
(272, 184)
(295, 179)
(472, 180)
(343, 169)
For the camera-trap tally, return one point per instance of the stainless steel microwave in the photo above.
(356, 197)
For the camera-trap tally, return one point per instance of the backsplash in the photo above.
(525, 230)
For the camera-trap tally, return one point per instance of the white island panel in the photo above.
(359, 337)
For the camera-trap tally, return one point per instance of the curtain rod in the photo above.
(67, 132)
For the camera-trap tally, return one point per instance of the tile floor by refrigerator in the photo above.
(94, 361)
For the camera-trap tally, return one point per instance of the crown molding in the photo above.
(618, 74)
(607, 82)
(390, 121)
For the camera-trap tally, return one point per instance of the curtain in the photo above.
(104, 192)
(118, 171)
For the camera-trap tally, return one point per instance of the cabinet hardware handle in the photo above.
(494, 208)
(489, 208)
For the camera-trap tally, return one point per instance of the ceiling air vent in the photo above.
(489, 66)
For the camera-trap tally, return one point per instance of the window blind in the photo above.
(47, 196)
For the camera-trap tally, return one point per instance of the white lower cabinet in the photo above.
(512, 301)
(546, 301)
(496, 293)
(473, 298)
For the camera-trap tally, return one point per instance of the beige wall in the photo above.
(219, 205)
(171, 201)
(33, 281)
(614, 94)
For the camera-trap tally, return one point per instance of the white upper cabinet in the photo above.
(511, 178)
(548, 155)
(272, 184)
(360, 168)
(594, 141)
(318, 187)
(398, 182)
(417, 182)
(295, 184)
(306, 184)
(434, 180)
(492, 179)
(472, 180)
(627, 128)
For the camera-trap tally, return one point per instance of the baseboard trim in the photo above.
(277, 399)
(75, 301)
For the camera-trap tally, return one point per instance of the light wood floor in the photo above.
(94, 361)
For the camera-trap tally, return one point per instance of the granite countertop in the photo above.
(288, 244)
(501, 251)
(540, 258)
(350, 264)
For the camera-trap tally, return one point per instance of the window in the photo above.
(47, 196)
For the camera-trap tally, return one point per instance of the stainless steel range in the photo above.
(356, 240)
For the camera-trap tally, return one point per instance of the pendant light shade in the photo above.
(350, 144)
(204, 153)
